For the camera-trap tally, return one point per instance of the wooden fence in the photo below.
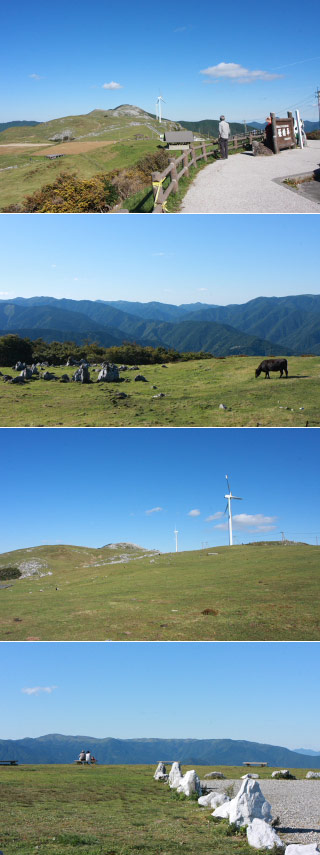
(180, 166)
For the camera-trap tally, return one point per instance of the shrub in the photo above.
(70, 194)
(14, 349)
(9, 573)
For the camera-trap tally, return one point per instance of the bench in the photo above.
(8, 763)
(253, 763)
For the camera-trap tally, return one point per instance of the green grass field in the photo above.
(193, 392)
(263, 592)
(108, 810)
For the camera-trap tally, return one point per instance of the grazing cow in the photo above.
(272, 365)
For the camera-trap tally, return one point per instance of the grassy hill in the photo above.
(106, 811)
(5, 125)
(254, 592)
(210, 127)
(59, 748)
(193, 393)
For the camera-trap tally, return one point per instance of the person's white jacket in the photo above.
(224, 130)
(88, 757)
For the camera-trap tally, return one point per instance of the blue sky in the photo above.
(136, 484)
(56, 61)
(227, 259)
(128, 676)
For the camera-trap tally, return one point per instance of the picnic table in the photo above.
(8, 763)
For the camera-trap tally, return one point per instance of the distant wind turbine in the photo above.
(229, 498)
(158, 107)
(176, 534)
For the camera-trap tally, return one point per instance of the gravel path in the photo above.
(244, 184)
(296, 803)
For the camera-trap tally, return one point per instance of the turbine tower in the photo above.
(176, 535)
(158, 107)
(229, 498)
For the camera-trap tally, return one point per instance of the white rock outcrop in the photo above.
(313, 775)
(248, 804)
(261, 835)
(190, 784)
(250, 775)
(213, 800)
(175, 775)
(160, 773)
(214, 774)
(301, 849)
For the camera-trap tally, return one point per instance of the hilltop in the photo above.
(59, 748)
(244, 593)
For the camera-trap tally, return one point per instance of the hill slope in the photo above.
(98, 594)
(57, 748)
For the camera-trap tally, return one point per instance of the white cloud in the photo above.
(216, 516)
(112, 85)
(251, 522)
(5, 294)
(194, 513)
(153, 511)
(36, 690)
(35, 77)
(235, 72)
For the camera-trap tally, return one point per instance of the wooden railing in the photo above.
(180, 166)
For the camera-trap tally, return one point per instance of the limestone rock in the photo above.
(250, 775)
(213, 800)
(34, 370)
(301, 849)
(175, 775)
(20, 366)
(247, 805)
(65, 378)
(17, 380)
(261, 835)
(313, 775)
(109, 373)
(65, 135)
(190, 784)
(160, 773)
(26, 373)
(222, 407)
(48, 376)
(82, 374)
(260, 149)
(141, 377)
(214, 775)
(284, 774)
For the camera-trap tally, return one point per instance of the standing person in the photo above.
(88, 757)
(224, 133)
(82, 756)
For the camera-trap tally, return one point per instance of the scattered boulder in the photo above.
(250, 775)
(7, 377)
(48, 375)
(66, 135)
(82, 374)
(141, 377)
(65, 378)
(213, 800)
(222, 407)
(109, 373)
(160, 395)
(160, 773)
(260, 149)
(301, 849)
(20, 366)
(123, 368)
(34, 370)
(248, 804)
(261, 835)
(190, 784)
(313, 775)
(26, 373)
(18, 380)
(134, 368)
(284, 774)
(214, 775)
(175, 775)
(121, 395)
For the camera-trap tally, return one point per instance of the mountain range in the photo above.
(263, 326)
(57, 748)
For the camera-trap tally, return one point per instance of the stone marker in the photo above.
(175, 775)
(160, 773)
(248, 804)
(190, 784)
(261, 835)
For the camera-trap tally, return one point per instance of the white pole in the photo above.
(300, 140)
(230, 522)
(160, 110)
(176, 534)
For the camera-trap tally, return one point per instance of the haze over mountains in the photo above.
(263, 326)
(57, 748)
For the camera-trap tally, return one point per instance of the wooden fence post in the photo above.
(193, 153)
(274, 133)
(250, 139)
(235, 142)
(186, 162)
(157, 192)
(204, 151)
(174, 177)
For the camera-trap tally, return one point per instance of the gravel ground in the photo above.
(296, 803)
(244, 184)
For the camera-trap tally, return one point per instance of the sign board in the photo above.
(283, 133)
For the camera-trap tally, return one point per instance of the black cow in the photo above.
(272, 365)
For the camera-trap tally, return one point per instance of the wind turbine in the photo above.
(176, 534)
(158, 107)
(229, 498)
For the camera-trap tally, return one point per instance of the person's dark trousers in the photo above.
(223, 148)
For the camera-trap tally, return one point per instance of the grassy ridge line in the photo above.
(193, 393)
(264, 592)
(113, 810)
